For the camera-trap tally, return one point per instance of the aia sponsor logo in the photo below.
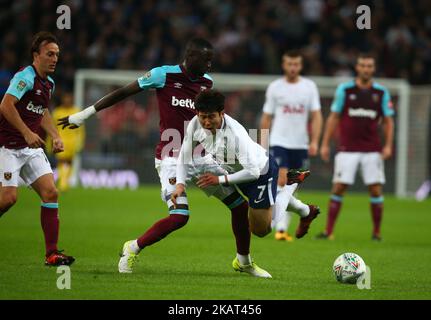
(36, 109)
(299, 109)
(185, 103)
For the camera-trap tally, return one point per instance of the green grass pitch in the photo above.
(195, 261)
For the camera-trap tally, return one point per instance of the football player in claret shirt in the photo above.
(176, 87)
(358, 109)
(24, 110)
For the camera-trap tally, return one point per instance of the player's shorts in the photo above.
(29, 164)
(167, 170)
(262, 193)
(347, 163)
(290, 158)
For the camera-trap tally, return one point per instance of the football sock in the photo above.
(376, 213)
(298, 207)
(333, 211)
(244, 259)
(134, 247)
(241, 228)
(161, 229)
(50, 226)
(281, 217)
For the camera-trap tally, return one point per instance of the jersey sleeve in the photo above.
(19, 85)
(269, 105)
(155, 78)
(387, 106)
(315, 98)
(246, 155)
(338, 103)
(185, 157)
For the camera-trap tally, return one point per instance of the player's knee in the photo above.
(50, 195)
(339, 189)
(7, 201)
(178, 220)
(260, 231)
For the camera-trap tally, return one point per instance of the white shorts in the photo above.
(29, 164)
(167, 170)
(346, 165)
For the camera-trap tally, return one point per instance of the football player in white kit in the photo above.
(290, 101)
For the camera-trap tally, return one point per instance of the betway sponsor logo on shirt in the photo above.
(185, 103)
(362, 113)
(36, 109)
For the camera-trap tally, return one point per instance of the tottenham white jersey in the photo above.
(290, 105)
(231, 147)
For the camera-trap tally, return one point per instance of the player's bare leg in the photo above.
(45, 188)
(8, 197)
(335, 202)
(260, 221)
(376, 206)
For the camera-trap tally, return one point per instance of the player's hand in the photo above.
(77, 119)
(313, 149)
(386, 152)
(180, 188)
(324, 153)
(206, 180)
(68, 122)
(33, 140)
(57, 145)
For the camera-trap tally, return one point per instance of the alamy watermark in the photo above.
(64, 21)
(64, 281)
(364, 281)
(364, 20)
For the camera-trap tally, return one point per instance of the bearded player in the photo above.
(290, 102)
(24, 110)
(359, 108)
(176, 88)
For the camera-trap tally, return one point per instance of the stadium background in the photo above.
(138, 35)
(194, 263)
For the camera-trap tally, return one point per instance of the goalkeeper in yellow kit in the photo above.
(73, 142)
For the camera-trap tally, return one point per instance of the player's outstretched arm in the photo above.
(75, 120)
(8, 110)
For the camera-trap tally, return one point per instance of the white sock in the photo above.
(243, 259)
(284, 223)
(298, 207)
(134, 247)
(291, 187)
(281, 218)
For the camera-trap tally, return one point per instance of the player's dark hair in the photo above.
(366, 55)
(198, 44)
(293, 53)
(39, 38)
(209, 101)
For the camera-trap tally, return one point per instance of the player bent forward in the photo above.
(246, 163)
